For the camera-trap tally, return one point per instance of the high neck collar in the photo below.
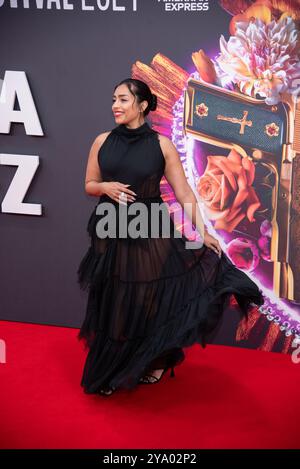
(133, 134)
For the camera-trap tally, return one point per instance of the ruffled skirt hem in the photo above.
(120, 363)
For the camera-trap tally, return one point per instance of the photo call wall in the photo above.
(227, 78)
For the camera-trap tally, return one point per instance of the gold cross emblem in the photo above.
(243, 121)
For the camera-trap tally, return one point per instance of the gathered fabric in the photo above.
(148, 298)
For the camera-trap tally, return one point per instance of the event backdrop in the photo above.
(226, 75)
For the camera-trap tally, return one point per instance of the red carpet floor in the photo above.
(221, 397)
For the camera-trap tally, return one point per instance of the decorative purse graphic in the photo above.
(270, 135)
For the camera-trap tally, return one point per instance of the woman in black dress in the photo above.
(148, 296)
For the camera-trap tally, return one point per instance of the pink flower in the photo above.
(266, 228)
(264, 244)
(261, 58)
(243, 253)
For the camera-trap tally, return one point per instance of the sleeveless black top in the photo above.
(133, 156)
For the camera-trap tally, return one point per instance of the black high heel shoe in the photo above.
(150, 379)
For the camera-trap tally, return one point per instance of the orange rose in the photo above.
(226, 190)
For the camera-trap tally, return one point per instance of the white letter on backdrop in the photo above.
(14, 85)
(13, 200)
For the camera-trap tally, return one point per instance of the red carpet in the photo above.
(221, 397)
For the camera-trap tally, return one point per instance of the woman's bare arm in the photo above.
(93, 177)
(175, 175)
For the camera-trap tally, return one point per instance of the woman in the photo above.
(149, 296)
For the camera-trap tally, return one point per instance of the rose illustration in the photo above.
(226, 190)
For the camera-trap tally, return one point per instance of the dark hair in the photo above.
(141, 90)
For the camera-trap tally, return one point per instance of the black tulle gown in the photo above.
(148, 298)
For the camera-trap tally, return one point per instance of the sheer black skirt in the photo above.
(147, 300)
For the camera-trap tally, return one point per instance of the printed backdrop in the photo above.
(227, 77)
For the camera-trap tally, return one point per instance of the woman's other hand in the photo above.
(212, 243)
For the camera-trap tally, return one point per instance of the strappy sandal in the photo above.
(150, 379)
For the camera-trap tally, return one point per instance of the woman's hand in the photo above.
(118, 191)
(212, 243)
